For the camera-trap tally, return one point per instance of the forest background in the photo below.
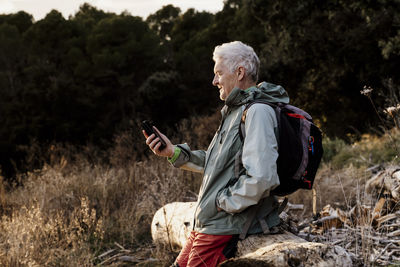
(77, 175)
(89, 77)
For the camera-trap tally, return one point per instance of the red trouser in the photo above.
(206, 250)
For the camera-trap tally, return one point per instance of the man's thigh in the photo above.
(207, 250)
(183, 256)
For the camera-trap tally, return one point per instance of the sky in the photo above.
(142, 8)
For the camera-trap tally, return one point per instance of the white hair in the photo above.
(237, 54)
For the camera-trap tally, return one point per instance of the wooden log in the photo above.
(376, 213)
(172, 224)
(387, 218)
(387, 180)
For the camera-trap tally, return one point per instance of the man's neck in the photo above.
(246, 84)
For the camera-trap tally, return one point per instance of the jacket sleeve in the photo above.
(260, 152)
(187, 159)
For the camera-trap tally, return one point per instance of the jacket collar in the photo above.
(237, 97)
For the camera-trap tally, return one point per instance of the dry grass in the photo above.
(65, 214)
(83, 201)
(335, 187)
(29, 237)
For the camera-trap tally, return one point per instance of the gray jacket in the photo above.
(258, 173)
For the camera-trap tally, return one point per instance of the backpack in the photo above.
(299, 147)
(300, 153)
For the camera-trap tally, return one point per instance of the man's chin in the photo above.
(222, 95)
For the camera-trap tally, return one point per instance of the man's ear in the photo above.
(241, 73)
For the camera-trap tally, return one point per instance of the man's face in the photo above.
(224, 79)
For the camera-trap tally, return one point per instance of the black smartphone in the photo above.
(148, 128)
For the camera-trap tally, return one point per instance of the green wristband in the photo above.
(177, 152)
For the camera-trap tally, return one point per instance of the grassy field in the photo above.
(85, 202)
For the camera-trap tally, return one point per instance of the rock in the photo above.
(172, 225)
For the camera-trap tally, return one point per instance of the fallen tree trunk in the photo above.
(172, 224)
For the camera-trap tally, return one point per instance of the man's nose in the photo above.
(215, 80)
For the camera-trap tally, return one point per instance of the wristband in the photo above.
(177, 152)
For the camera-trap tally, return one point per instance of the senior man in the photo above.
(226, 196)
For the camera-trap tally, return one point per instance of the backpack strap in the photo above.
(251, 216)
(238, 162)
(262, 220)
(242, 129)
(276, 106)
(305, 126)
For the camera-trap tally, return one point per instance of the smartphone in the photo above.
(148, 128)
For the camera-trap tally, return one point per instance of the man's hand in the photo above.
(154, 143)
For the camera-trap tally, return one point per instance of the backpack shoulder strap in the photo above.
(276, 106)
